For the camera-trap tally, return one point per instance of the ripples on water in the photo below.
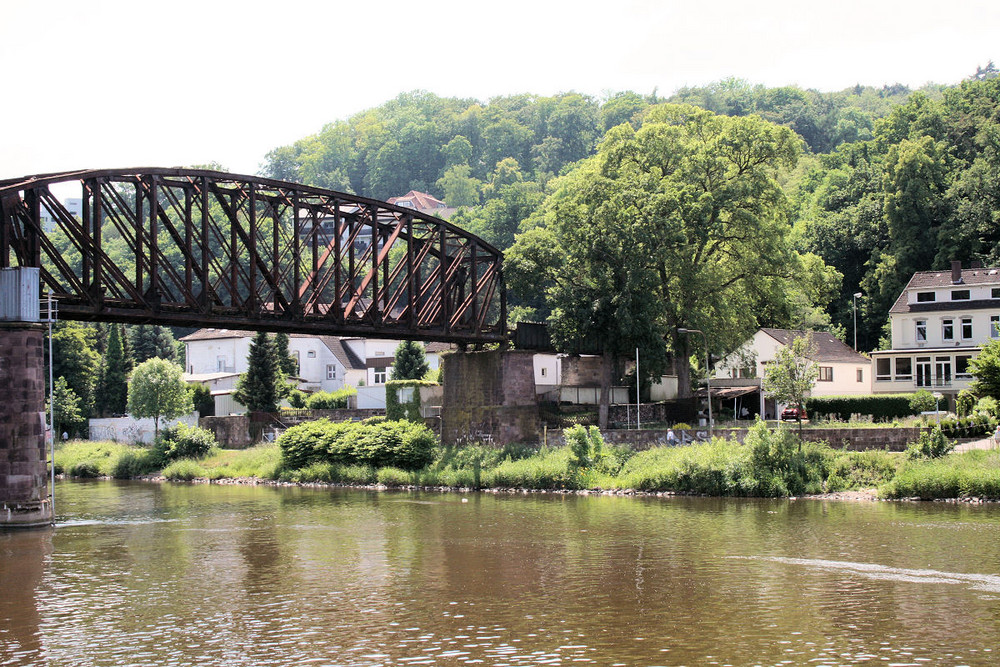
(177, 575)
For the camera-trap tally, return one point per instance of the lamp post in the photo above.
(857, 295)
(708, 376)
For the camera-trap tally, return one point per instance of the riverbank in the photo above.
(712, 469)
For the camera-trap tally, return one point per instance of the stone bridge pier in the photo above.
(489, 398)
(24, 497)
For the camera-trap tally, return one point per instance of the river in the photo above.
(175, 574)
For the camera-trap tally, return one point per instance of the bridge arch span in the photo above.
(195, 247)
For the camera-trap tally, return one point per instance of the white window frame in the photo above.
(967, 322)
(948, 328)
(331, 371)
(379, 375)
(994, 326)
(921, 331)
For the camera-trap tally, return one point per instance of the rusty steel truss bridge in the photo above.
(193, 247)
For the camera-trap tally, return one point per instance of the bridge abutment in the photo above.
(489, 397)
(24, 499)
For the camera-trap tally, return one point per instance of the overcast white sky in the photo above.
(126, 83)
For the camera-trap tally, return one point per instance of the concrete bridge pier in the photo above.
(24, 497)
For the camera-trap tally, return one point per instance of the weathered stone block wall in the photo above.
(231, 432)
(489, 397)
(23, 475)
(855, 439)
(580, 371)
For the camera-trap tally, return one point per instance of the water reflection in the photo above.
(177, 574)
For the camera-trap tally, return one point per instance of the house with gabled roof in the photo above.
(423, 203)
(939, 324)
(326, 363)
(842, 371)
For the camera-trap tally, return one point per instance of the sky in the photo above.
(126, 83)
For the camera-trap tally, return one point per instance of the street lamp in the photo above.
(857, 295)
(708, 375)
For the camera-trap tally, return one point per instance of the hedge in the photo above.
(879, 406)
(409, 410)
(376, 442)
(330, 400)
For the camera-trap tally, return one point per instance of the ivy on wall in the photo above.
(409, 409)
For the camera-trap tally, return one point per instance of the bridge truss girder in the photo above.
(214, 249)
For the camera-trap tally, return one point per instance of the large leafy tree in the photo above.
(156, 390)
(409, 362)
(986, 370)
(152, 340)
(679, 224)
(76, 359)
(258, 389)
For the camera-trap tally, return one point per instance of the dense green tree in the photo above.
(156, 390)
(258, 389)
(985, 368)
(409, 361)
(152, 340)
(75, 359)
(69, 416)
(286, 362)
(459, 188)
(678, 224)
(112, 386)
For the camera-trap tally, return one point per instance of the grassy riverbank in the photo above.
(770, 463)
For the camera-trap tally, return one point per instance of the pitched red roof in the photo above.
(827, 346)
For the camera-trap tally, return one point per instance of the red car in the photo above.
(793, 412)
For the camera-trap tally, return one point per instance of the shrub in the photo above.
(376, 443)
(965, 403)
(331, 400)
(883, 407)
(975, 426)
(585, 445)
(861, 470)
(297, 398)
(987, 405)
(410, 410)
(134, 464)
(183, 442)
(930, 445)
(922, 401)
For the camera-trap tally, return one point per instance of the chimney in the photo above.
(956, 272)
(975, 264)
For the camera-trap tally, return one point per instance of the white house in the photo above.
(939, 324)
(842, 371)
(326, 363)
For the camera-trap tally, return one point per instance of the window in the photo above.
(923, 297)
(379, 353)
(861, 375)
(904, 368)
(921, 331)
(962, 366)
(883, 369)
(826, 373)
(995, 293)
(544, 372)
(994, 326)
(380, 376)
(960, 295)
(966, 328)
(311, 354)
(948, 329)
(331, 372)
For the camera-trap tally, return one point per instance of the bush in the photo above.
(331, 400)
(183, 442)
(410, 410)
(861, 470)
(297, 398)
(930, 445)
(585, 445)
(973, 474)
(201, 398)
(965, 403)
(401, 444)
(134, 464)
(184, 470)
(988, 405)
(922, 401)
(975, 426)
(882, 407)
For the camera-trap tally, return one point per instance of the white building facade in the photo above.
(939, 324)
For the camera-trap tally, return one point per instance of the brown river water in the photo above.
(174, 574)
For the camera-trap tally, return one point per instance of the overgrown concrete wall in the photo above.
(489, 397)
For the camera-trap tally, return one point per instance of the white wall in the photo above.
(204, 356)
(371, 397)
(548, 369)
(130, 429)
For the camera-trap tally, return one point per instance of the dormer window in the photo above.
(960, 295)
(924, 297)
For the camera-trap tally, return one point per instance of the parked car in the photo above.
(793, 413)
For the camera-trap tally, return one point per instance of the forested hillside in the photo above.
(886, 181)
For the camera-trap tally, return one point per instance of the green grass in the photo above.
(262, 461)
(974, 474)
(102, 458)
